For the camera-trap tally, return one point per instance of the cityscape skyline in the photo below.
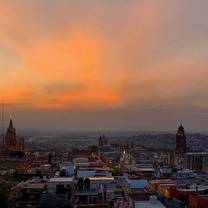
(103, 104)
(69, 122)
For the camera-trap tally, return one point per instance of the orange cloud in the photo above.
(72, 58)
(64, 73)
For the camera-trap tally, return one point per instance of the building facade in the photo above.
(197, 161)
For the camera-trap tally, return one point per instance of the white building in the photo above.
(197, 161)
(68, 167)
(55, 183)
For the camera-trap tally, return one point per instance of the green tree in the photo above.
(62, 172)
(117, 171)
(17, 154)
(4, 194)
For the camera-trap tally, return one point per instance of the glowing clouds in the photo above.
(87, 55)
(64, 73)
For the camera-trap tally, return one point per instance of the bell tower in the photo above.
(180, 150)
(180, 141)
(10, 137)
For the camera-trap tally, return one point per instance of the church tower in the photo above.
(180, 149)
(10, 137)
(180, 141)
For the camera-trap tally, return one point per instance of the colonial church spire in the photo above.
(10, 137)
(180, 147)
(181, 140)
(12, 143)
(11, 123)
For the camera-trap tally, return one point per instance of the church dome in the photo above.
(181, 130)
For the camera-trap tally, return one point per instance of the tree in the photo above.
(17, 154)
(62, 173)
(5, 200)
(117, 171)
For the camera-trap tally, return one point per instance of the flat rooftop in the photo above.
(138, 183)
(61, 179)
(101, 178)
(162, 181)
(143, 169)
(197, 153)
(86, 192)
(149, 204)
(193, 189)
(30, 185)
(95, 169)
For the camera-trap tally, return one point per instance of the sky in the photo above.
(105, 64)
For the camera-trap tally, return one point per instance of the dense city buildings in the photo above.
(97, 88)
(103, 172)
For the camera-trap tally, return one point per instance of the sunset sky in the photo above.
(105, 64)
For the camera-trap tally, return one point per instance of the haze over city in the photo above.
(105, 65)
(103, 104)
